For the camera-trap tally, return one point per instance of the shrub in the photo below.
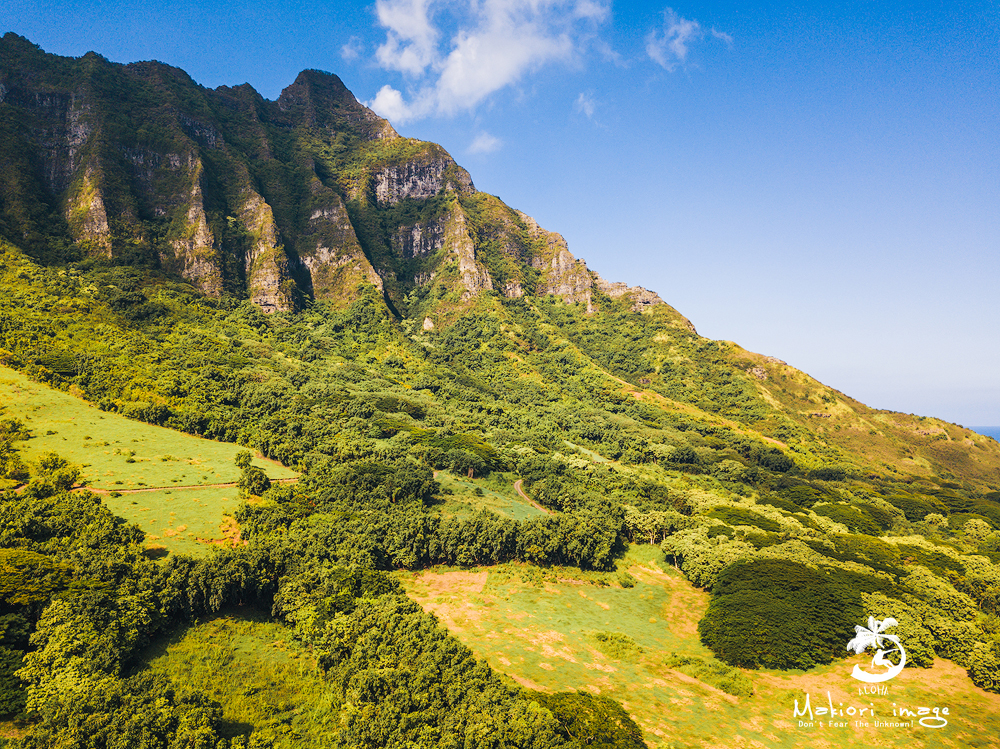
(729, 680)
(864, 549)
(591, 720)
(984, 666)
(883, 517)
(465, 462)
(742, 516)
(936, 561)
(828, 473)
(803, 496)
(685, 455)
(625, 579)
(253, 481)
(617, 645)
(781, 503)
(776, 613)
(12, 695)
(855, 519)
(915, 508)
(721, 530)
(916, 639)
(763, 539)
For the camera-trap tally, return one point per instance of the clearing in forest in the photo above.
(177, 487)
(552, 632)
(496, 493)
(271, 683)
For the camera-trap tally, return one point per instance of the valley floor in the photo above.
(180, 489)
(541, 632)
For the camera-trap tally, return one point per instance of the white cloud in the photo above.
(669, 47)
(585, 104)
(458, 52)
(352, 50)
(388, 102)
(609, 54)
(411, 41)
(590, 9)
(485, 143)
(722, 36)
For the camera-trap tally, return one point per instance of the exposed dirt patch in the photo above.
(565, 653)
(533, 503)
(446, 595)
(686, 606)
(231, 536)
(527, 683)
(456, 581)
(12, 731)
(545, 638)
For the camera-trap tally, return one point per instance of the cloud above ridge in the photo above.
(456, 53)
(669, 45)
(485, 143)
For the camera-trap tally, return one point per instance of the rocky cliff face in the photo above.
(311, 195)
(420, 178)
(568, 277)
(417, 240)
(462, 250)
(194, 253)
(87, 216)
(329, 249)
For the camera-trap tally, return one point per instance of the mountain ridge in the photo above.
(277, 201)
(314, 198)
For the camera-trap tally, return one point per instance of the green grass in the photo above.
(102, 442)
(120, 455)
(543, 635)
(263, 679)
(176, 518)
(497, 495)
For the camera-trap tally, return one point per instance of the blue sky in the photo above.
(816, 181)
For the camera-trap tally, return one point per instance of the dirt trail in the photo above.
(231, 484)
(533, 503)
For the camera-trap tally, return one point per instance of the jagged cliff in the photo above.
(311, 195)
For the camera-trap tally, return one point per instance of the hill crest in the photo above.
(304, 197)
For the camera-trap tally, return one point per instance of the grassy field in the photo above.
(180, 520)
(495, 493)
(151, 467)
(542, 633)
(270, 681)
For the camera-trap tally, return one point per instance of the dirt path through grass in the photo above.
(230, 485)
(519, 490)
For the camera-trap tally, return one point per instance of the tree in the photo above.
(588, 720)
(775, 613)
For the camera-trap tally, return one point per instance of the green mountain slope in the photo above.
(294, 277)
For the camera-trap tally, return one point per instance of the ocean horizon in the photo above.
(993, 432)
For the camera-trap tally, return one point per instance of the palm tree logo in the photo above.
(874, 636)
